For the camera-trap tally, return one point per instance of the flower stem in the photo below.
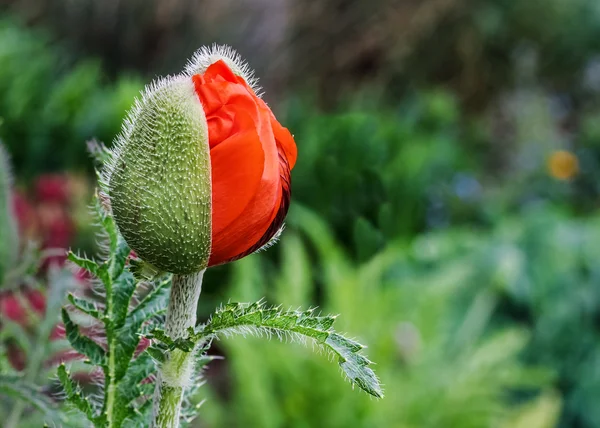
(177, 369)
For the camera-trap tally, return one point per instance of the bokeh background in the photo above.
(445, 200)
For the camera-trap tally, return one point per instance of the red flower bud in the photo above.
(251, 157)
(201, 172)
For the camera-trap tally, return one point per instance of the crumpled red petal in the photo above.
(251, 158)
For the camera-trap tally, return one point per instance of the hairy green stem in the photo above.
(177, 370)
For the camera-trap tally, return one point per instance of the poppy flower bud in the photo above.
(201, 173)
(160, 180)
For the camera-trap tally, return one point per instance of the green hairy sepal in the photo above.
(159, 181)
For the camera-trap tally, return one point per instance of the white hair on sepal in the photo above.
(205, 56)
(129, 122)
(274, 240)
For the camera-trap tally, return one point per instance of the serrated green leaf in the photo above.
(104, 276)
(87, 264)
(142, 415)
(161, 336)
(81, 343)
(185, 344)
(254, 317)
(74, 395)
(107, 223)
(127, 341)
(319, 336)
(150, 325)
(341, 342)
(157, 354)
(118, 258)
(354, 365)
(153, 304)
(236, 317)
(121, 412)
(122, 329)
(123, 288)
(84, 306)
(140, 369)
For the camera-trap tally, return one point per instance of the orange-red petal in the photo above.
(251, 158)
(237, 168)
(286, 142)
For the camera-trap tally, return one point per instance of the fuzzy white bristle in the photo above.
(127, 128)
(205, 56)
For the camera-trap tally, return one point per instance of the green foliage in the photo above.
(83, 344)
(443, 359)
(259, 319)
(49, 105)
(126, 392)
(459, 319)
(73, 393)
(375, 173)
(245, 318)
(546, 269)
(254, 319)
(9, 239)
(15, 387)
(125, 397)
(25, 397)
(461, 322)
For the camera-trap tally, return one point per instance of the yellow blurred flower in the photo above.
(563, 165)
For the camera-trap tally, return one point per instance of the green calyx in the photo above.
(159, 179)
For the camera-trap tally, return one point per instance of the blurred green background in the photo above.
(445, 199)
